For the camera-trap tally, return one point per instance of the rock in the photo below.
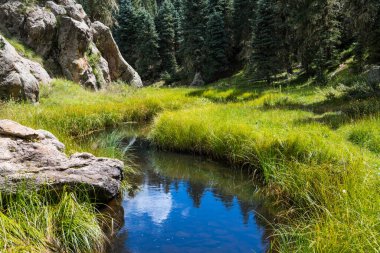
(63, 34)
(19, 77)
(373, 75)
(119, 68)
(13, 129)
(74, 40)
(57, 10)
(11, 17)
(198, 80)
(36, 157)
(41, 26)
(75, 11)
(39, 72)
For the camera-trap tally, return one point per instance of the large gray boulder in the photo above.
(119, 68)
(74, 39)
(40, 24)
(19, 77)
(63, 34)
(35, 158)
(12, 18)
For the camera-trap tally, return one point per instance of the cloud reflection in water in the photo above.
(151, 201)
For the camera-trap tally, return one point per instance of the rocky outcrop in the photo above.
(19, 77)
(198, 80)
(119, 68)
(35, 158)
(74, 39)
(63, 34)
(372, 75)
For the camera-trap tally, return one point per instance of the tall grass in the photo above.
(318, 159)
(24, 50)
(71, 112)
(327, 187)
(32, 221)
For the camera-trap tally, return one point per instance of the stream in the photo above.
(189, 204)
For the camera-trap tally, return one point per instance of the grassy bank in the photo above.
(327, 186)
(34, 222)
(315, 150)
(317, 155)
(71, 112)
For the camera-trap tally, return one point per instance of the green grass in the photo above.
(77, 117)
(41, 222)
(364, 133)
(315, 173)
(24, 50)
(316, 155)
(71, 112)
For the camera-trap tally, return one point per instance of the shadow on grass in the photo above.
(335, 112)
(240, 88)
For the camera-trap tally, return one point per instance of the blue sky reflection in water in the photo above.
(190, 205)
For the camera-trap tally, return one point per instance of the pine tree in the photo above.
(366, 26)
(147, 45)
(194, 24)
(126, 31)
(149, 5)
(102, 10)
(165, 23)
(243, 17)
(286, 35)
(216, 46)
(265, 46)
(225, 7)
(374, 37)
(178, 17)
(317, 33)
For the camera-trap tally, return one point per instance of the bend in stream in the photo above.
(190, 204)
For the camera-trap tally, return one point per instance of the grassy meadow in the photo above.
(315, 151)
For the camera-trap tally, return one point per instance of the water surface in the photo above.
(189, 204)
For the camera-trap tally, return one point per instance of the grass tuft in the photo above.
(32, 221)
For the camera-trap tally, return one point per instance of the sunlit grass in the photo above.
(46, 222)
(328, 187)
(24, 50)
(317, 157)
(71, 112)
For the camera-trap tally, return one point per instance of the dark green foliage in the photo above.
(194, 25)
(148, 5)
(165, 23)
(126, 32)
(225, 7)
(374, 38)
(178, 20)
(244, 14)
(317, 33)
(286, 35)
(215, 47)
(217, 37)
(146, 45)
(366, 26)
(137, 38)
(265, 46)
(101, 10)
